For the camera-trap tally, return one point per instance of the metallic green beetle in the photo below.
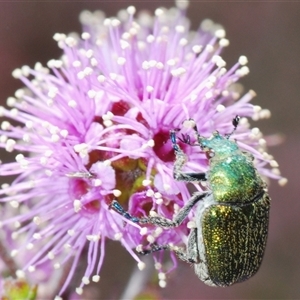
(228, 242)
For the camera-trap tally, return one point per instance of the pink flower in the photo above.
(94, 126)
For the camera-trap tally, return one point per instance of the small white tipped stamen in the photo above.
(191, 224)
(85, 280)
(282, 181)
(143, 231)
(141, 265)
(220, 108)
(243, 60)
(13, 252)
(71, 232)
(20, 274)
(77, 205)
(146, 182)
(117, 193)
(96, 278)
(162, 283)
(79, 290)
(118, 236)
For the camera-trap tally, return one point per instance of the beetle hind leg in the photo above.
(181, 254)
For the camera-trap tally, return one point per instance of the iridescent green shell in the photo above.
(234, 240)
(233, 223)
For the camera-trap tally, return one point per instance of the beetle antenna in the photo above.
(235, 123)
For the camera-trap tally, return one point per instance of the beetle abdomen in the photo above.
(234, 240)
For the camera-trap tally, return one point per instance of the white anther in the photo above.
(56, 266)
(20, 274)
(274, 163)
(178, 72)
(11, 101)
(282, 181)
(152, 213)
(183, 42)
(17, 73)
(107, 123)
(143, 231)
(191, 224)
(157, 195)
(82, 149)
(91, 94)
(149, 88)
(179, 29)
(157, 266)
(50, 255)
(150, 238)
(29, 246)
(182, 4)
(141, 265)
(224, 42)
(243, 60)
(59, 37)
(108, 116)
(72, 103)
(265, 114)
(209, 48)
(159, 201)
(158, 231)
(85, 35)
(197, 49)
(146, 182)
(71, 232)
(55, 138)
(162, 283)
(36, 220)
(118, 236)
(79, 290)
(76, 63)
(96, 278)
(151, 143)
(117, 193)
(276, 171)
(255, 131)
(5, 125)
(13, 252)
(70, 41)
(77, 205)
(37, 236)
(159, 12)
(139, 248)
(85, 280)
(121, 61)
(10, 145)
(220, 108)
(149, 193)
(220, 33)
(161, 276)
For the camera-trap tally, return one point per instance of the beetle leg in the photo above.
(118, 208)
(178, 251)
(178, 219)
(192, 247)
(159, 220)
(180, 161)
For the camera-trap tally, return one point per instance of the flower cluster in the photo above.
(94, 126)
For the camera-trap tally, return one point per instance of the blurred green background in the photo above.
(268, 33)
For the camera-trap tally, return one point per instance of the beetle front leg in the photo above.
(180, 161)
(159, 220)
(178, 219)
